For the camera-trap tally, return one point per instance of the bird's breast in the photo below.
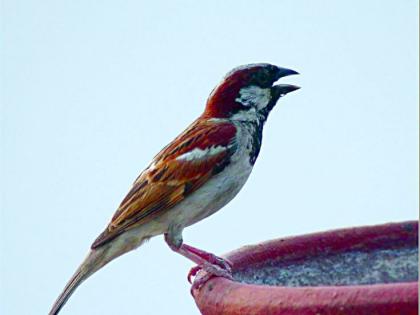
(221, 188)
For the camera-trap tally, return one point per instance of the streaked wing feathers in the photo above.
(183, 166)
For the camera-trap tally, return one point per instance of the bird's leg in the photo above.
(212, 264)
(209, 258)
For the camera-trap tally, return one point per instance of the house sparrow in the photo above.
(194, 176)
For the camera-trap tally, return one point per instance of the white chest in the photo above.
(220, 189)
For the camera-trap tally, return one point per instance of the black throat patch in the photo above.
(256, 141)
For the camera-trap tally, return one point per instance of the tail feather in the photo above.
(74, 282)
(92, 263)
(96, 259)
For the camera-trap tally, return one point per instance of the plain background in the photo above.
(91, 90)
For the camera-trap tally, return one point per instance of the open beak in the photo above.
(280, 90)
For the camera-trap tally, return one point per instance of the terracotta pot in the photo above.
(363, 270)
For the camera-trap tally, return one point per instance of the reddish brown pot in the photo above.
(363, 270)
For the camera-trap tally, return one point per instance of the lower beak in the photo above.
(280, 90)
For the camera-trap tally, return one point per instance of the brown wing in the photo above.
(168, 180)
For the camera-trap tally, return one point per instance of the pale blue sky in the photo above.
(91, 90)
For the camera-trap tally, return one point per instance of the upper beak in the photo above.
(284, 72)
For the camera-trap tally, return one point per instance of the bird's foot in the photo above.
(208, 262)
(193, 272)
(210, 272)
(222, 269)
(215, 265)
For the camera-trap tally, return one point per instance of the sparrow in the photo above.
(194, 176)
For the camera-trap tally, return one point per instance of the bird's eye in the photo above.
(263, 78)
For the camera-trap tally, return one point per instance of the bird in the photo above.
(194, 176)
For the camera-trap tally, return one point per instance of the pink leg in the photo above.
(209, 257)
(212, 264)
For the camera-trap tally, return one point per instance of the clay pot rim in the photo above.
(228, 294)
(369, 237)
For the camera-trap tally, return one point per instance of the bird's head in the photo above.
(247, 92)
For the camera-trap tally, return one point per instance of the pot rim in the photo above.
(227, 294)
